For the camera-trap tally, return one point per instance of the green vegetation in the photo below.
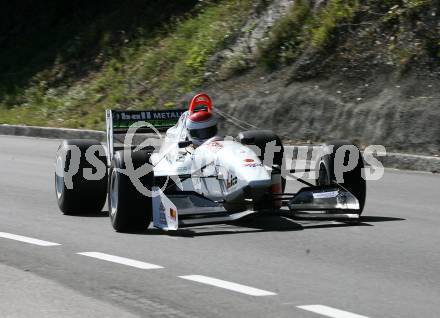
(288, 36)
(318, 30)
(142, 72)
(62, 63)
(412, 16)
(335, 13)
(302, 27)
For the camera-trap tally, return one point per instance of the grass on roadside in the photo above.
(147, 73)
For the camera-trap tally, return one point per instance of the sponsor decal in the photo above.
(249, 160)
(182, 169)
(133, 116)
(180, 158)
(163, 218)
(324, 195)
(230, 181)
(146, 115)
(215, 146)
(252, 165)
(165, 118)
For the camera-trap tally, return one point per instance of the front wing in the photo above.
(184, 209)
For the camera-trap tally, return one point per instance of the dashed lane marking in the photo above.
(121, 260)
(330, 312)
(228, 285)
(26, 239)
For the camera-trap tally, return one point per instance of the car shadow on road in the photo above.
(268, 223)
(264, 223)
(261, 223)
(376, 219)
(273, 223)
(102, 214)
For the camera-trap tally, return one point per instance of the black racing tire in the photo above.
(261, 138)
(85, 196)
(353, 180)
(129, 209)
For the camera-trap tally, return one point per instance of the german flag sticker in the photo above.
(173, 214)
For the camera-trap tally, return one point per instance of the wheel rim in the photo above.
(114, 189)
(59, 180)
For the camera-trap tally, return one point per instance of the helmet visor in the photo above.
(204, 133)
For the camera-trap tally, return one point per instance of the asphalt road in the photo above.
(388, 266)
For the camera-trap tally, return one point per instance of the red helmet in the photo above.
(201, 123)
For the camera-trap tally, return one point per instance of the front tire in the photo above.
(129, 209)
(353, 180)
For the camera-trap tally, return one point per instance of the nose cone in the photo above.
(249, 179)
(256, 181)
(256, 178)
(257, 190)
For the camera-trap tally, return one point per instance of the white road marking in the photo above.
(26, 239)
(330, 312)
(121, 260)
(228, 285)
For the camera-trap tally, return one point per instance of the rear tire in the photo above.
(129, 210)
(353, 180)
(86, 196)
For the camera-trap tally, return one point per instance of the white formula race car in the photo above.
(148, 176)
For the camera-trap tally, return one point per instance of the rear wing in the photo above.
(119, 121)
